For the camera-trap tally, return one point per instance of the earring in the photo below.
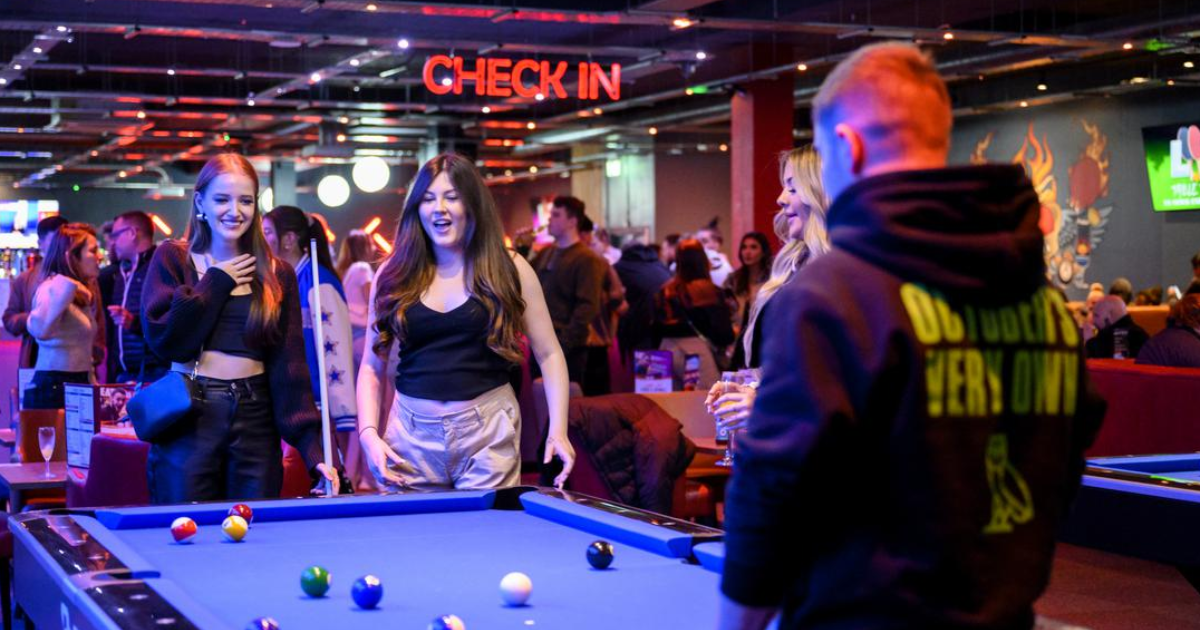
(201, 216)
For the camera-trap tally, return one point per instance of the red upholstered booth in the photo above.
(1151, 409)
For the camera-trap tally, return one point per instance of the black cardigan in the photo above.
(180, 309)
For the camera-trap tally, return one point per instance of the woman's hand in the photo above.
(732, 408)
(382, 461)
(561, 446)
(240, 268)
(330, 475)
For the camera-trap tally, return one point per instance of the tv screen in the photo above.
(1173, 164)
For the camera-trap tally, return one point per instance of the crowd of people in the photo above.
(882, 326)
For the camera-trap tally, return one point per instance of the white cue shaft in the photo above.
(314, 311)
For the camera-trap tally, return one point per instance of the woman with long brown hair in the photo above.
(63, 317)
(451, 302)
(221, 305)
(691, 316)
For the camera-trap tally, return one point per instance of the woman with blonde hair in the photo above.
(221, 305)
(800, 223)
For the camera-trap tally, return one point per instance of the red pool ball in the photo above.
(243, 511)
(183, 529)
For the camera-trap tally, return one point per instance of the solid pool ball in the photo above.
(600, 554)
(183, 529)
(243, 511)
(447, 622)
(315, 581)
(367, 591)
(234, 527)
(515, 589)
(263, 623)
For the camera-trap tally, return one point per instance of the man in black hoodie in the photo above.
(920, 427)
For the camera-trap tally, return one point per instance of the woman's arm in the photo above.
(177, 316)
(381, 459)
(49, 303)
(549, 355)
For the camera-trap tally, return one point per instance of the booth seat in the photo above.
(117, 475)
(1151, 409)
(1152, 319)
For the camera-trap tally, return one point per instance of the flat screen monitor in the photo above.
(1173, 164)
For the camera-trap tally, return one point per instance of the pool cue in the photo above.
(314, 311)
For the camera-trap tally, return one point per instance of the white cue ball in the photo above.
(515, 589)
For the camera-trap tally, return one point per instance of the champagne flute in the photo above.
(728, 379)
(46, 444)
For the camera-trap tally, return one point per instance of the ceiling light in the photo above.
(1127, 45)
(371, 174)
(16, 66)
(3, 81)
(403, 44)
(354, 63)
(170, 72)
(266, 199)
(802, 67)
(533, 169)
(333, 190)
(61, 29)
(597, 111)
(948, 35)
(447, 82)
(531, 125)
(508, 172)
(250, 102)
(486, 109)
(356, 89)
(122, 174)
(701, 55)
(141, 115)
(724, 147)
(652, 131)
(1042, 87)
(341, 137)
(371, 7)
(1189, 65)
(688, 91)
(1139, 80)
(1024, 103)
(37, 50)
(345, 120)
(539, 97)
(682, 23)
(1170, 81)
(315, 77)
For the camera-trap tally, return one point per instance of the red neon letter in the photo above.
(479, 76)
(582, 81)
(518, 85)
(554, 80)
(430, 83)
(496, 76)
(611, 85)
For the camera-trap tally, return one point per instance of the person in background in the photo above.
(691, 316)
(454, 302)
(106, 239)
(666, 251)
(572, 278)
(133, 246)
(63, 317)
(755, 258)
(712, 241)
(642, 274)
(800, 224)
(221, 304)
(602, 244)
(1177, 345)
(1194, 285)
(1111, 318)
(967, 491)
(356, 267)
(1095, 294)
(21, 290)
(602, 332)
(1122, 288)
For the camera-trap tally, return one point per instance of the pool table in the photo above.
(436, 554)
(1147, 506)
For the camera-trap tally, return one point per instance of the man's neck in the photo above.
(566, 240)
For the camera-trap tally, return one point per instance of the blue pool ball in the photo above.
(367, 591)
(600, 554)
(447, 622)
(263, 623)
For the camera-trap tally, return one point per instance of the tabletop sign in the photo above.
(526, 78)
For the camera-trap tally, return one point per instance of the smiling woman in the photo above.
(222, 306)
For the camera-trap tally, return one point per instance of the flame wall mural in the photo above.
(1073, 231)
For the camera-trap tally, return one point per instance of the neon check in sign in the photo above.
(523, 77)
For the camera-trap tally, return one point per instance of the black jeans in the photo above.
(227, 450)
(46, 390)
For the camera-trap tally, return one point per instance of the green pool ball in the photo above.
(315, 581)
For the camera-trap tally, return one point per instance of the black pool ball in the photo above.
(600, 554)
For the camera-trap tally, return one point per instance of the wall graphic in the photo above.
(1074, 230)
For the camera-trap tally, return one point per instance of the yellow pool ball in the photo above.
(234, 527)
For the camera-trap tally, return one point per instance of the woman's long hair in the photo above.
(66, 247)
(491, 275)
(806, 177)
(748, 275)
(265, 288)
(356, 247)
(290, 219)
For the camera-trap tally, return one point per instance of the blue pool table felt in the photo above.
(430, 564)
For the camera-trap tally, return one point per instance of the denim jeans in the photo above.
(228, 449)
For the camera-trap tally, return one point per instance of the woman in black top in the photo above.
(222, 305)
(451, 302)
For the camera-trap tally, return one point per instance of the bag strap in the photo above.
(688, 318)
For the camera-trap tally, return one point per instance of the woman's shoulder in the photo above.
(173, 253)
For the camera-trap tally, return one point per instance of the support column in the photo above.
(283, 182)
(588, 184)
(761, 128)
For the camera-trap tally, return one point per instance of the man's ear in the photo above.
(851, 142)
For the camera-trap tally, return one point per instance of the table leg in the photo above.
(14, 501)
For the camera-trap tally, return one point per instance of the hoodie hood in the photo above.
(639, 253)
(970, 231)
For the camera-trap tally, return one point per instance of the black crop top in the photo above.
(229, 335)
(445, 356)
